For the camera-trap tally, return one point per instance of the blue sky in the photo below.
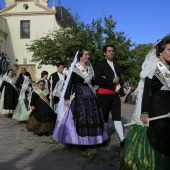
(143, 21)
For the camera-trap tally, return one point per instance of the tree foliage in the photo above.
(62, 44)
(137, 56)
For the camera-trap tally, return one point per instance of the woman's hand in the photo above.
(32, 108)
(144, 118)
(67, 103)
(122, 99)
(28, 94)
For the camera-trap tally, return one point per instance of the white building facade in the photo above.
(24, 21)
(3, 34)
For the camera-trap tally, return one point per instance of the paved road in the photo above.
(20, 149)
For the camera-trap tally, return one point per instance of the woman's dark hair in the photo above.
(80, 53)
(105, 47)
(161, 45)
(10, 70)
(43, 73)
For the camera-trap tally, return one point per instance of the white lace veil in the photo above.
(61, 104)
(148, 69)
(11, 80)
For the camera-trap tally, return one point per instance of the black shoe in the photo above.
(47, 134)
(9, 115)
(81, 147)
(122, 143)
(105, 143)
(39, 134)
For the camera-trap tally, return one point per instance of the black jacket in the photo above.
(55, 79)
(102, 68)
(20, 79)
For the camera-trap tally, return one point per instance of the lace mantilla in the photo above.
(148, 70)
(87, 77)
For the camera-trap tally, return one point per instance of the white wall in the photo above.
(2, 34)
(40, 25)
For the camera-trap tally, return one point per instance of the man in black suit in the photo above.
(58, 75)
(110, 91)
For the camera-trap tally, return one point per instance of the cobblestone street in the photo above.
(20, 149)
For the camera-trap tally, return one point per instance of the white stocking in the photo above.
(119, 129)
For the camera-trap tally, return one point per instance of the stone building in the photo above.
(21, 22)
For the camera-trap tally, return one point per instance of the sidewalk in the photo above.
(20, 149)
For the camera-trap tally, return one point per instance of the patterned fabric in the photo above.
(148, 148)
(138, 153)
(86, 112)
(82, 123)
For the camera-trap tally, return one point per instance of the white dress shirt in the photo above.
(61, 76)
(112, 66)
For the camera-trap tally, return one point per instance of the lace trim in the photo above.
(90, 75)
(77, 71)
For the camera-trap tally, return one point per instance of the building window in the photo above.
(25, 29)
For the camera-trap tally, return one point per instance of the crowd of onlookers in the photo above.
(130, 90)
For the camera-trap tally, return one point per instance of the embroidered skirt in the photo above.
(138, 154)
(149, 147)
(82, 123)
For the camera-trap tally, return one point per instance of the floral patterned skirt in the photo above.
(138, 154)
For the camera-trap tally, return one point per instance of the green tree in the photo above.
(137, 56)
(62, 44)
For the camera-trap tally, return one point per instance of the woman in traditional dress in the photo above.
(79, 119)
(44, 75)
(9, 94)
(148, 146)
(22, 110)
(41, 119)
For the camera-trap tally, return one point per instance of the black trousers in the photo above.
(110, 102)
